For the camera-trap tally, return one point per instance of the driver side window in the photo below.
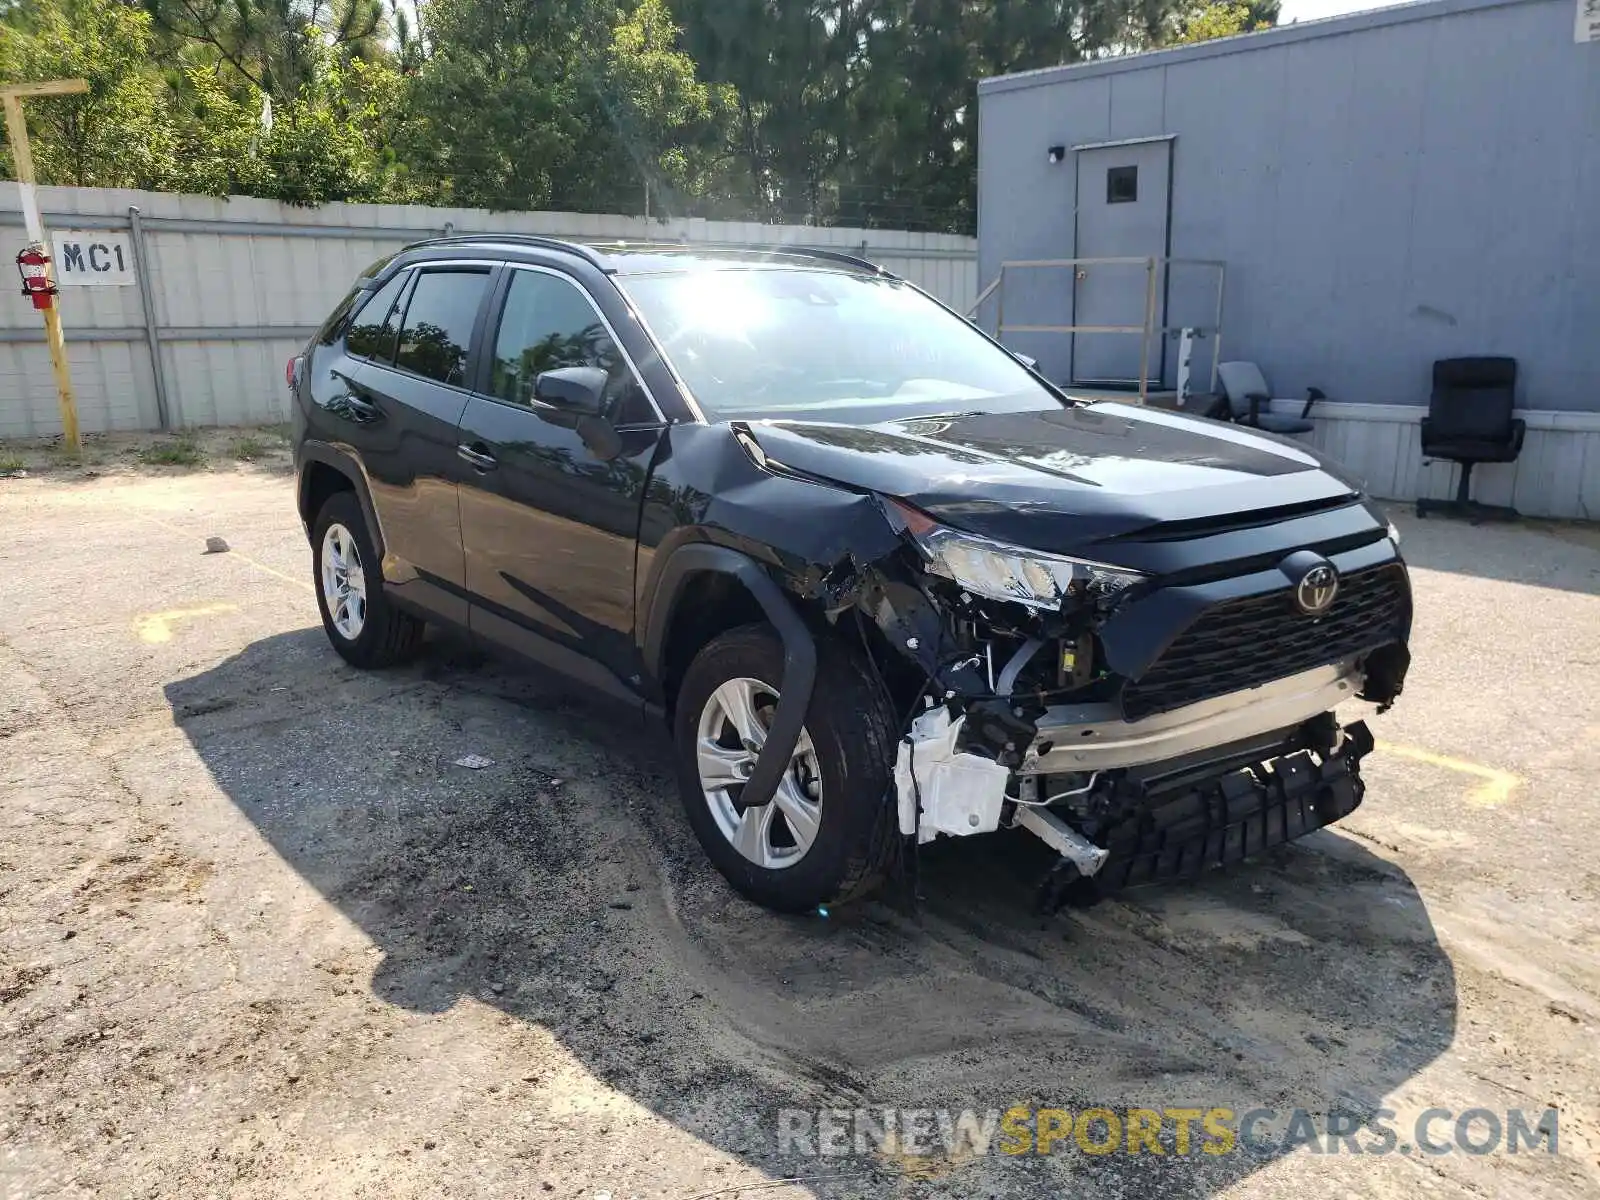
(548, 322)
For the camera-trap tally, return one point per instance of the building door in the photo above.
(1121, 213)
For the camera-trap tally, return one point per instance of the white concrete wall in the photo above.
(239, 284)
(1556, 475)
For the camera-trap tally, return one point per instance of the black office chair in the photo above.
(1469, 421)
(1247, 400)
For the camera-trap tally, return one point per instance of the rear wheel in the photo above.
(364, 625)
(828, 832)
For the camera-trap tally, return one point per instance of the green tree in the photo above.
(274, 46)
(1219, 18)
(165, 112)
(529, 104)
(119, 134)
(659, 116)
(832, 111)
(865, 111)
(332, 140)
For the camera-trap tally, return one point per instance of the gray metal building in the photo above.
(1384, 189)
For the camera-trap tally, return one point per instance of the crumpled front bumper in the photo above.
(1221, 821)
(1184, 818)
(1154, 800)
(1096, 738)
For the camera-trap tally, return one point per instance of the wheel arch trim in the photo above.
(799, 650)
(348, 465)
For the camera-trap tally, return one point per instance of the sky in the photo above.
(1312, 10)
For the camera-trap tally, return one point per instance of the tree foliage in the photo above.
(836, 111)
(1220, 18)
(120, 133)
(579, 105)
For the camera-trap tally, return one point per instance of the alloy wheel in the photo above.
(731, 732)
(344, 583)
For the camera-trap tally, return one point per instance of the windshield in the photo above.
(777, 342)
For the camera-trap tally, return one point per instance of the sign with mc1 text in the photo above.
(1588, 28)
(93, 256)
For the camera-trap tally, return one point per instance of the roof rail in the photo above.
(798, 250)
(527, 239)
(595, 252)
(854, 260)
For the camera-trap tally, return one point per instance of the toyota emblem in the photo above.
(1316, 590)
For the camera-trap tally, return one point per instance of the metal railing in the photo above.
(1153, 265)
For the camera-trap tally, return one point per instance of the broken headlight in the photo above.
(1002, 572)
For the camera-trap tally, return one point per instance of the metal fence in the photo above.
(226, 290)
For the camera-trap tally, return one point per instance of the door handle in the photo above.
(478, 455)
(353, 404)
(363, 408)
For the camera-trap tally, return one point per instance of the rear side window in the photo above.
(334, 326)
(438, 323)
(372, 333)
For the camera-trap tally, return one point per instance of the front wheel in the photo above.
(364, 625)
(828, 833)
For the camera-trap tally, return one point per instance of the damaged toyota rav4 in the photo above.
(883, 581)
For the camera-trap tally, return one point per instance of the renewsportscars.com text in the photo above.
(1100, 1130)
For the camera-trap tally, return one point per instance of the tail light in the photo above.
(291, 370)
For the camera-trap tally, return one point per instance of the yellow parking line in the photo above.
(260, 566)
(1495, 789)
(156, 628)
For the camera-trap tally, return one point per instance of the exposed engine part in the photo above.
(1013, 668)
(1071, 879)
(1066, 841)
(1076, 666)
(1070, 793)
(1028, 703)
(996, 729)
(941, 789)
(1028, 791)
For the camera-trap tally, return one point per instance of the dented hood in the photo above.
(1058, 479)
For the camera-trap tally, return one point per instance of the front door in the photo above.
(1122, 213)
(550, 501)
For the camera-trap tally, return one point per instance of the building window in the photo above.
(1122, 185)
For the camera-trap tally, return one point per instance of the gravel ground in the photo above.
(260, 936)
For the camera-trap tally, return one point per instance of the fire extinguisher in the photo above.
(34, 263)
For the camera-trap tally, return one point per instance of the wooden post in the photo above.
(22, 156)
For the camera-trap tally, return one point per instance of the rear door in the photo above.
(1121, 213)
(409, 395)
(550, 502)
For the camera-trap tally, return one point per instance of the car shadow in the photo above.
(561, 885)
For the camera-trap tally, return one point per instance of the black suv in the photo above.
(884, 581)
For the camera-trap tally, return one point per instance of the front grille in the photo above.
(1244, 643)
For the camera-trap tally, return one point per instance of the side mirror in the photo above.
(577, 389)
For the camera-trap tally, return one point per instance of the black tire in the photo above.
(388, 635)
(851, 730)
